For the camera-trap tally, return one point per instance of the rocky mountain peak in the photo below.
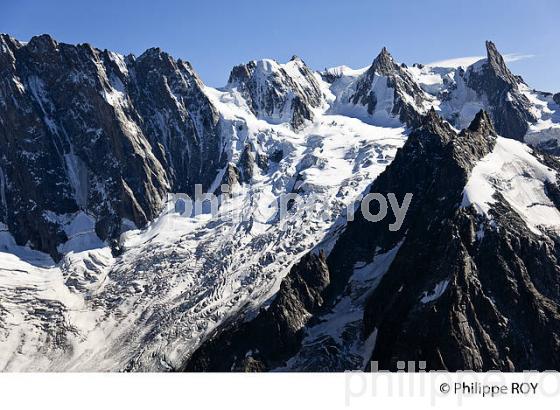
(433, 123)
(153, 52)
(432, 116)
(383, 64)
(42, 43)
(278, 93)
(7, 42)
(155, 56)
(241, 73)
(508, 107)
(176, 71)
(497, 63)
(408, 101)
(482, 123)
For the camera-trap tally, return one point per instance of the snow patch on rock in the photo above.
(512, 170)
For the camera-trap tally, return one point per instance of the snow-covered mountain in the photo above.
(100, 271)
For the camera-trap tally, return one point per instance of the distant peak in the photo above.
(497, 63)
(295, 58)
(155, 53)
(42, 42)
(491, 47)
(493, 54)
(384, 55)
(383, 63)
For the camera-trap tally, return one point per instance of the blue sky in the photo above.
(216, 35)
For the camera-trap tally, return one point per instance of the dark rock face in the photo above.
(556, 98)
(549, 147)
(384, 68)
(180, 121)
(250, 161)
(84, 129)
(275, 333)
(232, 176)
(433, 165)
(509, 108)
(275, 94)
(497, 312)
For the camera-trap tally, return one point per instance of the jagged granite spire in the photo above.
(482, 122)
(433, 123)
(383, 64)
(498, 64)
(509, 108)
(408, 98)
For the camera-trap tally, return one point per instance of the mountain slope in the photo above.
(100, 268)
(84, 130)
(468, 283)
(176, 280)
